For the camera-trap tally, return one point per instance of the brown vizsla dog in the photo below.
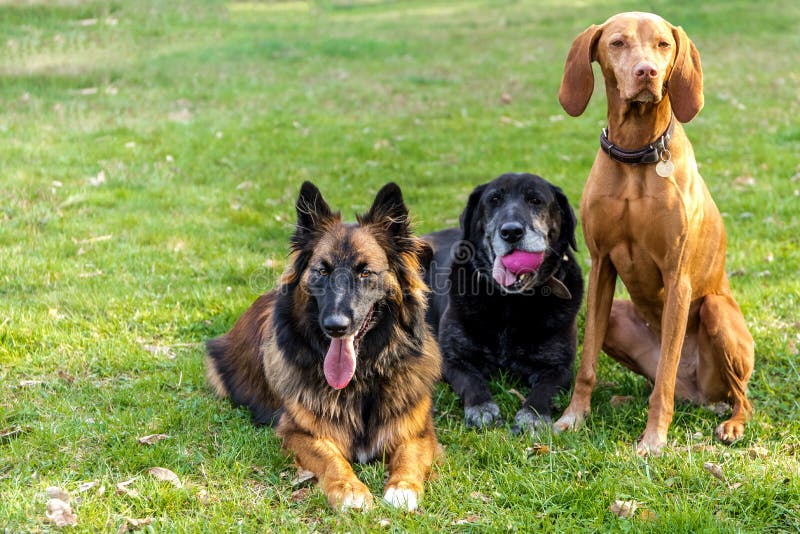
(648, 217)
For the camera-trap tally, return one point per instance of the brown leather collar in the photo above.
(649, 154)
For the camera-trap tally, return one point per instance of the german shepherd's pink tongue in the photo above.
(340, 362)
(507, 268)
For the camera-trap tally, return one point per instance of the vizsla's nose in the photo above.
(645, 69)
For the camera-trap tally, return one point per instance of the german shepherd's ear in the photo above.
(568, 222)
(312, 213)
(467, 219)
(390, 212)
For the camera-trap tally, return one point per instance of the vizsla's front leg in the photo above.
(409, 466)
(602, 279)
(662, 399)
(336, 478)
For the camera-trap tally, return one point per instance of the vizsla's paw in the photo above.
(401, 495)
(730, 431)
(527, 420)
(571, 420)
(346, 495)
(482, 415)
(650, 444)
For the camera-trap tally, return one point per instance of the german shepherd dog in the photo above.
(506, 294)
(338, 358)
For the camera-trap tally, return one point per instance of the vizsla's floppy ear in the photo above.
(685, 84)
(578, 81)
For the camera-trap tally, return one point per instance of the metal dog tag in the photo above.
(665, 168)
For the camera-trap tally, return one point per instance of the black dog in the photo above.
(506, 290)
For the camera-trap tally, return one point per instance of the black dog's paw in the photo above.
(527, 420)
(482, 415)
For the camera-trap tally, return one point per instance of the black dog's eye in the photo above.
(663, 44)
(495, 198)
(365, 273)
(618, 43)
(534, 201)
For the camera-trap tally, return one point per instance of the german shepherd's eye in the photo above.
(323, 271)
(365, 273)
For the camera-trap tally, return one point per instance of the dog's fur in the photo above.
(272, 359)
(527, 330)
(664, 237)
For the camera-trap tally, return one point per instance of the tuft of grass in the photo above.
(150, 154)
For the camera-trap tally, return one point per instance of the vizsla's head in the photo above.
(643, 57)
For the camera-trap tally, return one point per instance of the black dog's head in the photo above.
(520, 227)
(346, 271)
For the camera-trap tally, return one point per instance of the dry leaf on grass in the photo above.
(647, 515)
(478, 496)
(715, 470)
(133, 524)
(517, 394)
(537, 449)
(66, 377)
(151, 439)
(300, 495)
(30, 383)
(619, 400)
(7, 434)
(58, 510)
(625, 509)
(86, 486)
(757, 452)
(203, 497)
(164, 474)
(122, 488)
(384, 523)
(302, 476)
(472, 518)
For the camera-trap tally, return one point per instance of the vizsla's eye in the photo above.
(663, 44)
(619, 43)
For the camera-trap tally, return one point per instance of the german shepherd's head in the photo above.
(351, 286)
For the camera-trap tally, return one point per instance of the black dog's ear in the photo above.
(425, 254)
(312, 212)
(467, 218)
(390, 211)
(568, 221)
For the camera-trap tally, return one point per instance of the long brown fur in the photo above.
(271, 360)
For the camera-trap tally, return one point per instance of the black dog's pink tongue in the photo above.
(340, 362)
(507, 268)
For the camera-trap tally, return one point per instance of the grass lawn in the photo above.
(150, 155)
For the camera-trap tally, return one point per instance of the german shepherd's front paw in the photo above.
(527, 420)
(402, 495)
(345, 495)
(482, 415)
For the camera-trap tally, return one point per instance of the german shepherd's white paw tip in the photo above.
(401, 498)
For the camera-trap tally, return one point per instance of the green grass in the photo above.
(204, 118)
